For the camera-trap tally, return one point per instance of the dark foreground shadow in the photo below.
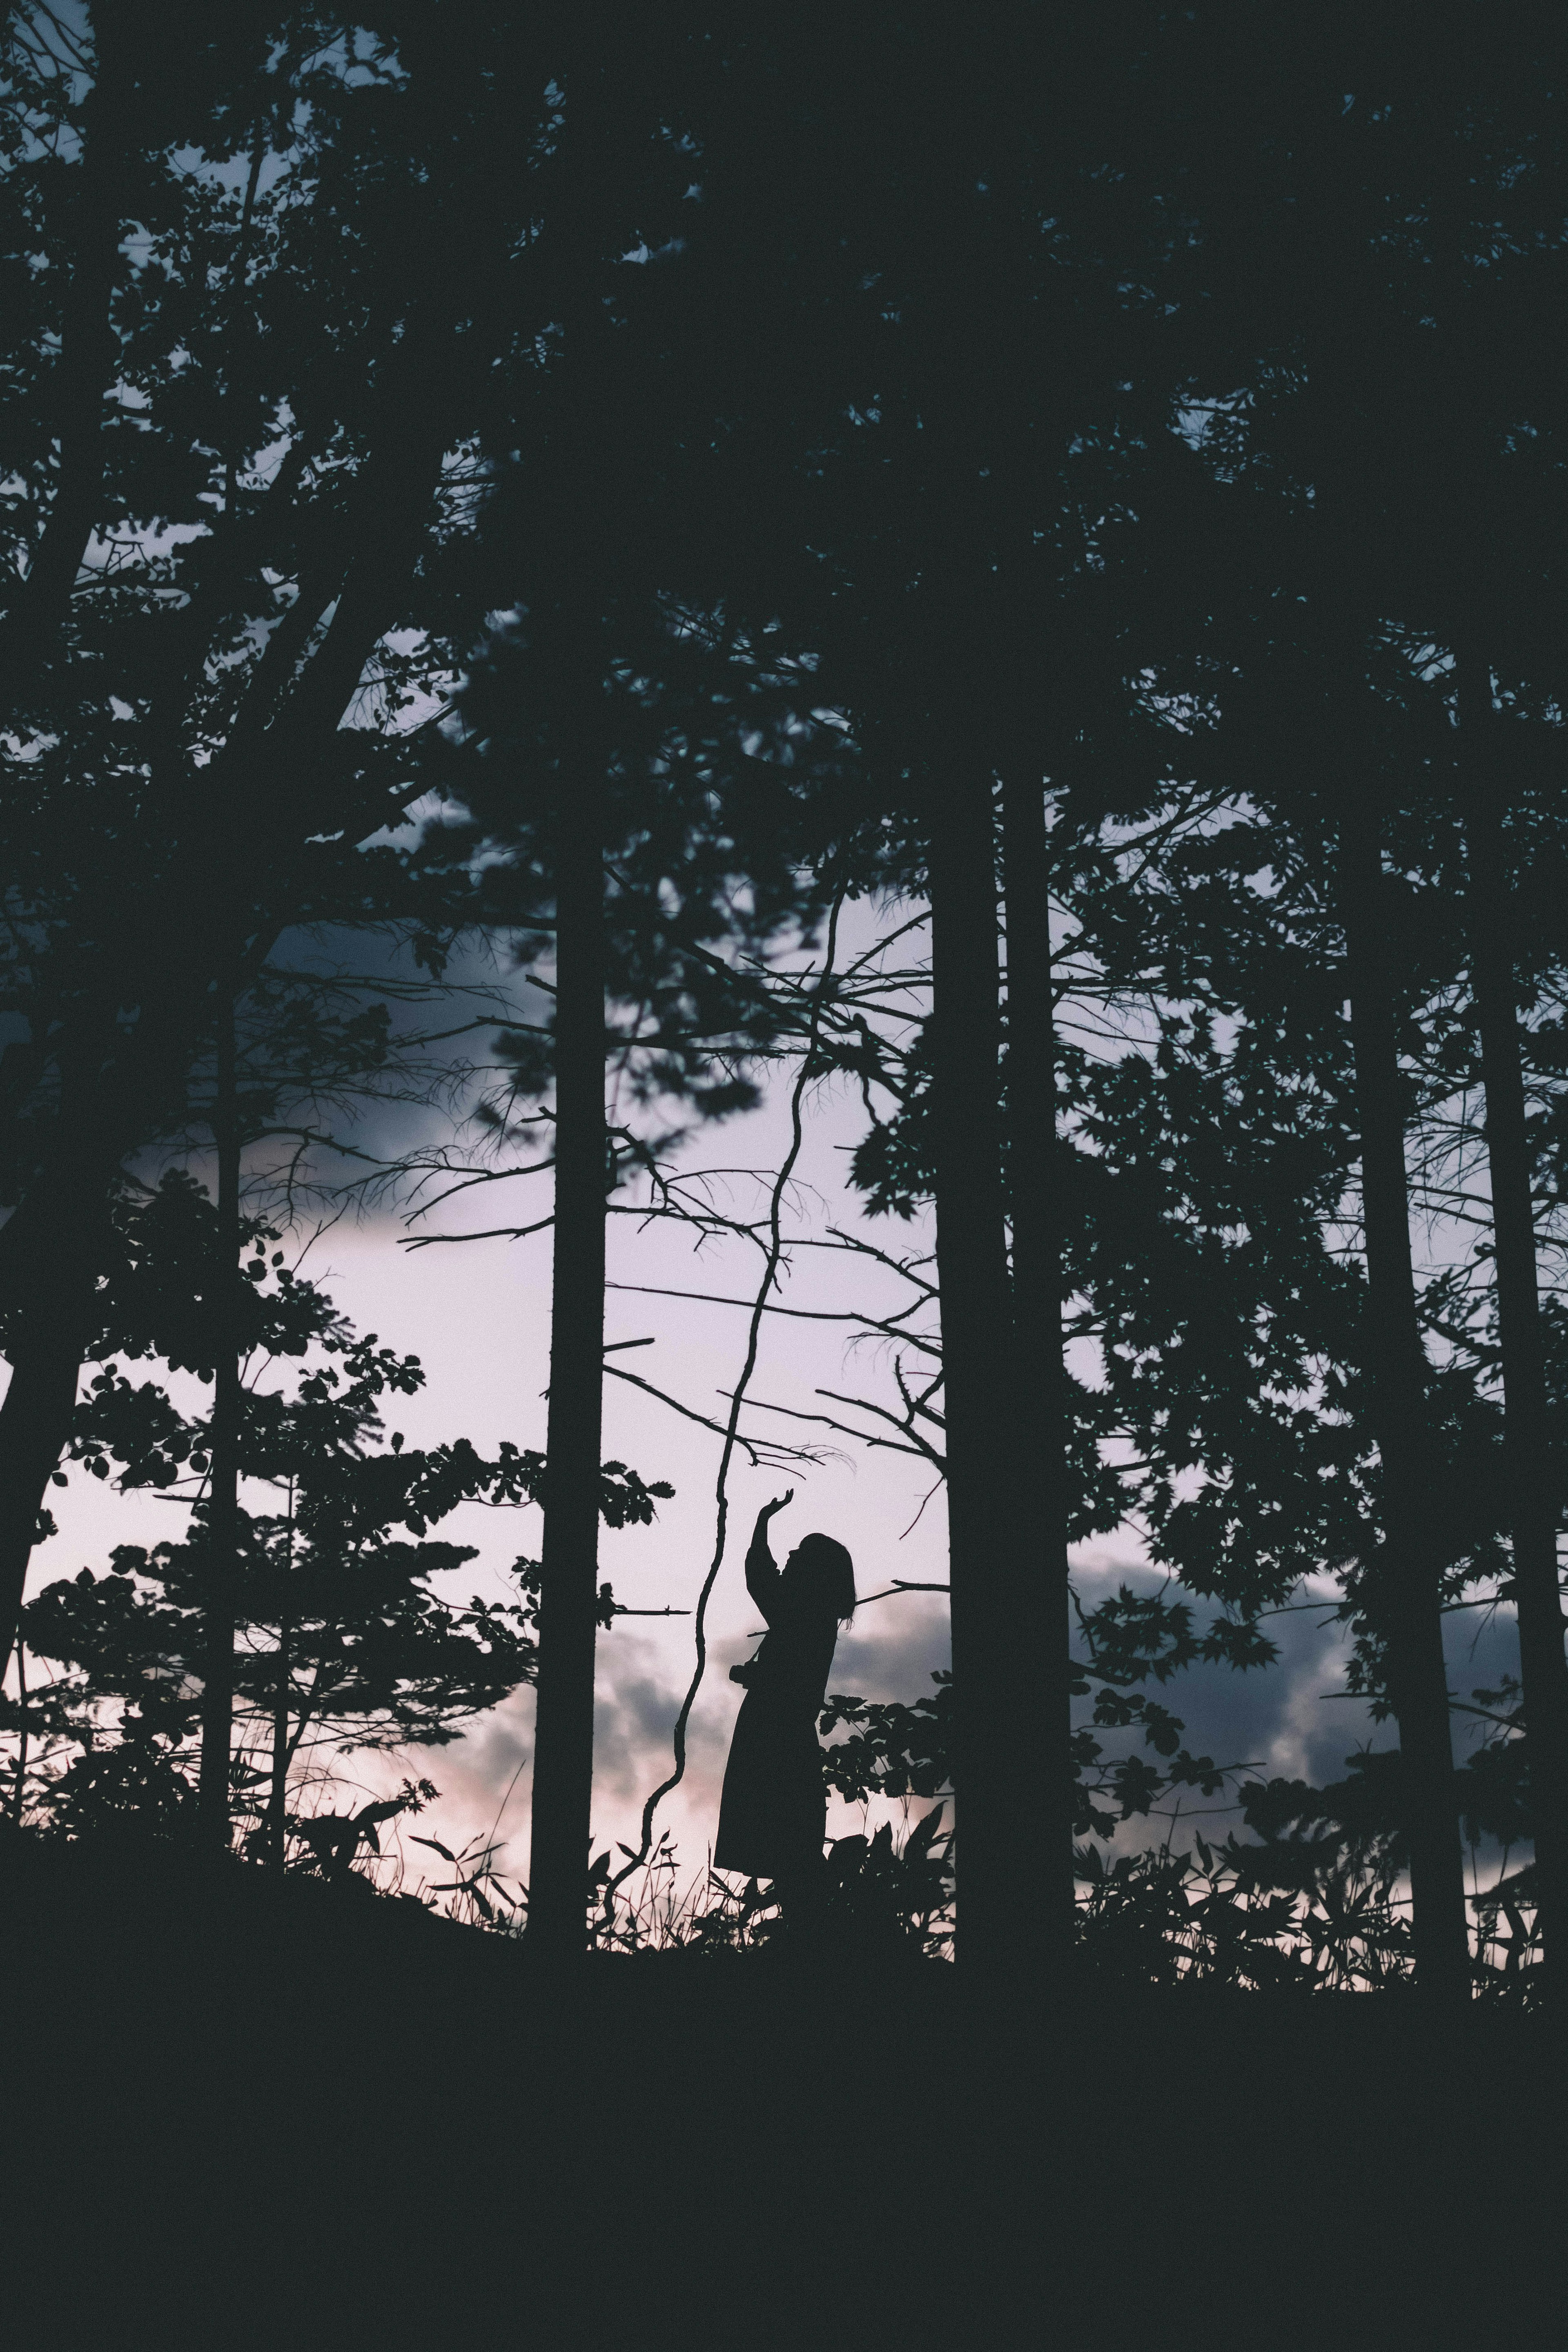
(247, 2111)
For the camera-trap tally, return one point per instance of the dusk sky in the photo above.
(478, 1313)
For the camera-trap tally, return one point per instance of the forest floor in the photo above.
(243, 2112)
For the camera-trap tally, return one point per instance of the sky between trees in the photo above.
(477, 1315)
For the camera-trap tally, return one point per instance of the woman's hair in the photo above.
(831, 1571)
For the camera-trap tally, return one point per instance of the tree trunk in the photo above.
(50, 1263)
(564, 1737)
(89, 352)
(1040, 1649)
(20, 1792)
(1542, 1666)
(1406, 1582)
(34, 1428)
(276, 1841)
(993, 1673)
(222, 1543)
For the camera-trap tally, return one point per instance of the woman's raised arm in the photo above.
(762, 1575)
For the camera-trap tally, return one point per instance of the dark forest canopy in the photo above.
(1092, 477)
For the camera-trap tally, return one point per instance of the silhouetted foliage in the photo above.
(624, 498)
(342, 1638)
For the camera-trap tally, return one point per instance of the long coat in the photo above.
(773, 1808)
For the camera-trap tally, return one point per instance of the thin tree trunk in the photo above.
(992, 1673)
(1042, 1699)
(1407, 1589)
(277, 1794)
(222, 1544)
(277, 1840)
(563, 1737)
(21, 1787)
(1542, 1666)
(89, 353)
(54, 1300)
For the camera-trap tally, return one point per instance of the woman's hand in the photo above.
(769, 1508)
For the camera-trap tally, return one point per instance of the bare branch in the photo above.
(761, 1455)
(491, 1233)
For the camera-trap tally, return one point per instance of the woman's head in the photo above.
(824, 1569)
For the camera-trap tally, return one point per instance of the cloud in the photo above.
(1292, 1720)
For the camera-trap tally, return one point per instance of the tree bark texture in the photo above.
(1543, 1668)
(1042, 1633)
(221, 1532)
(563, 1739)
(1406, 1573)
(996, 1678)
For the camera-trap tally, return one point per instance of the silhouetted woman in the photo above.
(772, 1812)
